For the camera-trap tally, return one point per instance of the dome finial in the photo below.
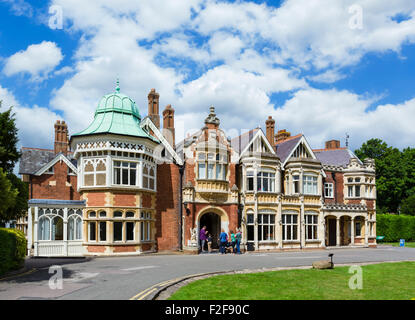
(118, 86)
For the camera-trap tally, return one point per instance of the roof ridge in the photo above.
(325, 149)
(30, 148)
(289, 138)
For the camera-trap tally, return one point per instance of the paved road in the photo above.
(124, 277)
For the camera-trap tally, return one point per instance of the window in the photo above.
(266, 227)
(310, 184)
(148, 177)
(250, 226)
(357, 191)
(49, 171)
(350, 191)
(125, 173)
(328, 190)
(57, 228)
(296, 184)
(92, 231)
(212, 166)
(102, 231)
(145, 226)
(129, 231)
(266, 181)
(44, 228)
(311, 224)
(118, 231)
(117, 214)
(289, 227)
(74, 227)
(249, 181)
(95, 172)
(358, 229)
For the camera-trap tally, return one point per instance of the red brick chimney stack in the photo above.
(332, 144)
(61, 137)
(282, 135)
(153, 107)
(270, 125)
(168, 125)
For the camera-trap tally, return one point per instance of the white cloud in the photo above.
(36, 124)
(38, 60)
(328, 114)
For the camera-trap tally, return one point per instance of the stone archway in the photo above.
(214, 219)
(331, 231)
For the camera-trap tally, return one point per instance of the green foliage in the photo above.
(9, 154)
(395, 227)
(408, 205)
(19, 208)
(12, 249)
(395, 173)
(8, 195)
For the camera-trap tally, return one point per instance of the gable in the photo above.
(258, 144)
(48, 167)
(301, 149)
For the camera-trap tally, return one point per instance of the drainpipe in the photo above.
(333, 175)
(181, 171)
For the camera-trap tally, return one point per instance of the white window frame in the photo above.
(261, 225)
(310, 184)
(314, 226)
(270, 178)
(120, 167)
(329, 190)
(290, 226)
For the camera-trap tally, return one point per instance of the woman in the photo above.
(223, 239)
(238, 237)
(233, 242)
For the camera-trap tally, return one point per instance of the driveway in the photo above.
(122, 278)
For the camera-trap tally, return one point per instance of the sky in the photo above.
(323, 68)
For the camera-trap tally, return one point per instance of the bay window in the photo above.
(266, 227)
(125, 173)
(310, 185)
(249, 181)
(211, 166)
(311, 224)
(266, 181)
(296, 184)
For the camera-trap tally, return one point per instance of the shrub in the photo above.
(395, 227)
(12, 249)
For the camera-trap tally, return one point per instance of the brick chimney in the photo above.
(153, 107)
(168, 125)
(282, 135)
(332, 144)
(61, 137)
(270, 125)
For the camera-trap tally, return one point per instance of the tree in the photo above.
(13, 191)
(408, 206)
(8, 196)
(9, 153)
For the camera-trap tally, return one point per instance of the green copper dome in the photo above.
(118, 114)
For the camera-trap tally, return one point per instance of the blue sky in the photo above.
(323, 68)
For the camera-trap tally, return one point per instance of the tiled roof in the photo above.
(33, 159)
(284, 148)
(239, 143)
(335, 157)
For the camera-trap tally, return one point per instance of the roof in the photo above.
(239, 143)
(33, 159)
(284, 148)
(57, 202)
(335, 157)
(117, 114)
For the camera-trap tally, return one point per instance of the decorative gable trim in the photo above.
(260, 134)
(303, 140)
(59, 157)
(147, 123)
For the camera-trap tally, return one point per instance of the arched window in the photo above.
(44, 228)
(74, 227)
(57, 228)
(148, 177)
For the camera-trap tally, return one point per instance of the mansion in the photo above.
(124, 186)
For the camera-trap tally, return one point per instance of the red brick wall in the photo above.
(146, 202)
(167, 207)
(95, 199)
(125, 200)
(338, 187)
(40, 188)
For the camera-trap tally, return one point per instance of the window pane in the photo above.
(44, 229)
(117, 176)
(129, 214)
(202, 170)
(250, 184)
(101, 179)
(130, 230)
(117, 214)
(218, 171)
(151, 184)
(57, 229)
(250, 233)
(88, 180)
(117, 231)
(210, 171)
(250, 218)
(132, 177)
(92, 231)
(145, 182)
(103, 231)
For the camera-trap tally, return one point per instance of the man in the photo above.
(223, 239)
(202, 238)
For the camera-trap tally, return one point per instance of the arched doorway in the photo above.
(331, 231)
(212, 221)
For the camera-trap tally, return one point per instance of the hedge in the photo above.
(12, 249)
(395, 227)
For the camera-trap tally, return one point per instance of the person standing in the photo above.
(233, 241)
(202, 238)
(238, 238)
(223, 239)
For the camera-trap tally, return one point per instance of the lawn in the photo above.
(388, 281)
(396, 244)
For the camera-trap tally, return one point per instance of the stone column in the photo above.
(366, 232)
(352, 227)
(278, 222)
(337, 232)
(302, 223)
(29, 230)
(278, 181)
